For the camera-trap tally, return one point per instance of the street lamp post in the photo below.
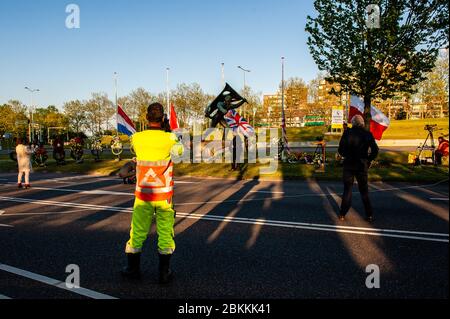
(115, 86)
(223, 74)
(245, 84)
(116, 101)
(168, 91)
(283, 116)
(31, 125)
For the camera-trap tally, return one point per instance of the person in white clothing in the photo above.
(24, 163)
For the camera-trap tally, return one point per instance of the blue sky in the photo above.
(139, 39)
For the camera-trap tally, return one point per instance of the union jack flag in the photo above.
(238, 124)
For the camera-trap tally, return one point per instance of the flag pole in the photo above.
(223, 74)
(117, 106)
(283, 119)
(168, 92)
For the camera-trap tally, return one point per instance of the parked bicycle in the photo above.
(96, 148)
(40, 156)
(77, 149)
(116, 146)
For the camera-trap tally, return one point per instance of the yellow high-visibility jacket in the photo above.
(154, 170)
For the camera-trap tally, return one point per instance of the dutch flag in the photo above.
(124, 124)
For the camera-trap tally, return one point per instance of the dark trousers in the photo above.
(362, 179)
(234, 165)
(438, 155)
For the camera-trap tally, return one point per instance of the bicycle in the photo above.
(40, 156)
(116, 146)
(96, 149)
(76, 151)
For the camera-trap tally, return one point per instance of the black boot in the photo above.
(165, 274)
(132, 271)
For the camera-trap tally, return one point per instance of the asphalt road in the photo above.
(235, 239)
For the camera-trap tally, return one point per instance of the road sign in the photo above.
(337, 120)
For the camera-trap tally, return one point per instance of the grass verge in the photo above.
(390, 167)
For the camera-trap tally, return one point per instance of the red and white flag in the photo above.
(173, 119)
(379, 122)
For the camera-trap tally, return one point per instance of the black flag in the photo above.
(213, 110)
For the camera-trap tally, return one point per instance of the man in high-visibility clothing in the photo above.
(154, 192)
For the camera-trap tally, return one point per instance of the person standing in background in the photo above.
(24, 163)
(359, 149)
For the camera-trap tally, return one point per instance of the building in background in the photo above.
(326, 102)
(296, 100)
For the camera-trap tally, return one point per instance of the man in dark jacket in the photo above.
(359, 149)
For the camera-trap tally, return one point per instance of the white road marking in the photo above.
(2, 212)
(409, 187)
(9, 226)
(274, 223)
(48, 213)
(3, 297)
(88, 192)
(94, 192)
(54, 282)
(267, 192)
(184, 182)
(75, 177)
(301, 195)
(292, 225)
(65, 204)
(439, 199)
(103, 192)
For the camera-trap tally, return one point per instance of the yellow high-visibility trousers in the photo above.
(143, 213)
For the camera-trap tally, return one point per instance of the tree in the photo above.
(434, 90)
(17, 107)
(50, 117)
(254, 103)
(190, 102)
(76, 117)
(98, 110)
(296, 98)
(138, 102)
(13, 118)
(313, 88)
(6, 119)
(377, 62)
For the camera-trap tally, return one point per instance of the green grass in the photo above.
(390, 166)
(107, 166)
(395, 172)
(402, 130)
(299, 134)
(414, 129)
